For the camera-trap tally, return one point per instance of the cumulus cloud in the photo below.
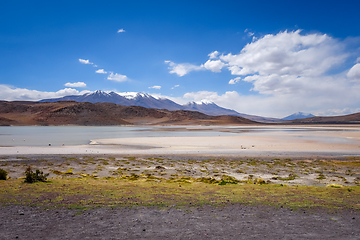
(175, 86)
(117, 77)
(85, 61)
(182, 69)
(155, 87)
(101, 71)
(354, 72)
(280, 105)
(214, 65)
(121, 30)
(289, 71)
(213, 55)
(77, 84)
(287, 53)
(10, 93)
(234, 80)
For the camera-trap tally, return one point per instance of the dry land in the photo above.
(181, 197)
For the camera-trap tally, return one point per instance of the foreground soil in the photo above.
(232, 221)
(181, 197)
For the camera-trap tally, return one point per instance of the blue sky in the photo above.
(269, 58)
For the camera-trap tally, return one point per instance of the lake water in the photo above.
(75, 135)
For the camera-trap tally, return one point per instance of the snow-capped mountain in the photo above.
(298, 115)
(126, 99)
(148, 101)
(209, 108)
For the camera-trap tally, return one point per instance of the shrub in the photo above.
(228, 180)
(335, 185)
(3, 174)
(37, 176)
(259, 181)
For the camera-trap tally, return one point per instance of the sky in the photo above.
(267, 58)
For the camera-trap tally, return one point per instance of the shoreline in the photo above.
(221, 145)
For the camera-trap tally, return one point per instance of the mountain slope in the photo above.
(130, 99)
(85, 113)
(298, 115)
(346, 119)
(148, 101)
(211, 108)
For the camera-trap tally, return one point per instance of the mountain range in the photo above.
(26, 113)
(148, 101)
(298, 115)
(103, 114)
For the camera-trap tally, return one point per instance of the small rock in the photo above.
(144, 230)
(21, 213)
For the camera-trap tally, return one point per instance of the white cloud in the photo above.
(214, 54)
(290, 72)
(175, 86)
(121, 30)
(77, 84)
(101, 71)
(117, 77)
(10, 93)
(354, 72)
(280, 105)
(156, 87)
(234, 80)
(182, 69)
(85, 61)
(248, 32)
(287, 53)
(214, 65)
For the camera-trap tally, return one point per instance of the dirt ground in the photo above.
(231, 221)
(234, 221)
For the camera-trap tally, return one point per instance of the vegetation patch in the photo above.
(290, 177)
(3, 174)
(86, 192)
(37, 176)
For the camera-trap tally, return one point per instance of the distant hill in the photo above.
(209, 108)
(345, 119)
(298, 115)
(148, 101)
(102, 114)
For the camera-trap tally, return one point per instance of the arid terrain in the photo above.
(103, 114)
(181, 197)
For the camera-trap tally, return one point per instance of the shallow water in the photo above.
(75, 135)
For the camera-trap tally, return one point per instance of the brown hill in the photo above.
(346, 119)
(84, 113)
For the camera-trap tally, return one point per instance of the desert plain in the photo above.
(249, 185)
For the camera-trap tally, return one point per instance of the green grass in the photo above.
(135, 190)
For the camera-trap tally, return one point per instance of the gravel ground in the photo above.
(234, 221)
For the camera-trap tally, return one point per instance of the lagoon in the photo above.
(82, 135)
